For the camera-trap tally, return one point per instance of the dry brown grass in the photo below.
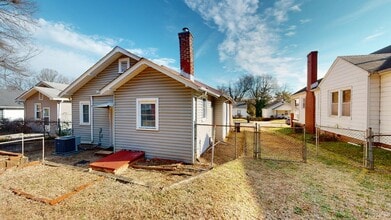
(237, 189)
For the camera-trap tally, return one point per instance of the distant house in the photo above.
(276, 109)
(9, 109)
(239, 109)
(298, 102)
(132, 103)
(44, 107)
(355, 94)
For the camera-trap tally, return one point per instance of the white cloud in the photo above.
(303, 21)
(290, 33)
(250, 44)
(281, 9)
(373, 36)
(62, 48)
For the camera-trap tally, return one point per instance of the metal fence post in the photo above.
(304, 146)
(236, 146)
(369, 150)
(317, 140)
(22, 144)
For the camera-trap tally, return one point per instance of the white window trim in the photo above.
(35, 111)
(119, 64)
(340, 102)
(40, 96)
(140, 101)
(81, 103)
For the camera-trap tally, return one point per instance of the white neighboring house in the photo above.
(355, 94)
(298, 100)
(9, 109)
(239, 110)
(277, 109)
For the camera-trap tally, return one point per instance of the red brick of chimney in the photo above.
(312, 77)
(186, 51)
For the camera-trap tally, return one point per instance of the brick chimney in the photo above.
(312, 77)
(186, 52)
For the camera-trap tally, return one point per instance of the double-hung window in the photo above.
(148, 113)
(346, 95)
(37, 111)
(341, 103)
(334, 103)
(85, 113)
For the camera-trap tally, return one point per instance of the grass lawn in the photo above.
(329, 186)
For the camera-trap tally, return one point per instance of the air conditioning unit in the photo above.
(67, 144)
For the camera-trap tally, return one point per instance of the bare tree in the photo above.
(283, 94)
(51, 75)
(261, 92)
(15, 31)
(238, 89)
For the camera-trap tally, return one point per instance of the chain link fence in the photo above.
(277, 142)
(360, 147)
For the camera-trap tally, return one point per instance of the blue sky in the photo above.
(231, 37)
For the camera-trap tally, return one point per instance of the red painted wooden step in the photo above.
(117, 162)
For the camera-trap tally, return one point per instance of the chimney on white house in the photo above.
(312, 77)
(186, 52)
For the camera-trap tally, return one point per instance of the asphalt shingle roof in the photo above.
(371, 62)
(7, 98)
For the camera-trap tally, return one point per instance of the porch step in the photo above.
(117, 162)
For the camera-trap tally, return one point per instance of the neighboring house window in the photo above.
(297, 102)
(40, 96)
(46, 118)
(204, 108)
(148, 114)
(85, 113)
(239, 112)
(346, 97)
(334, 103)
(37, 111)
(123, 64)
(304, 103)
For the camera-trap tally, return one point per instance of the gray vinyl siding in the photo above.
(101, 118)
(205, 125)
(84, 94)
(221, 118)
(173, 139)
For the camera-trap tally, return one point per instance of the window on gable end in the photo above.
(204, 108)
(123, 64)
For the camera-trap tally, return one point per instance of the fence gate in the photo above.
(279, 142)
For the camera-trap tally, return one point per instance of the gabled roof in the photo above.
(371, 63)
(49, 89)
(59, 86)
(113, 55)
(7, 98)
(315, 85)
(240, 104)
(383, 50)
(145, 63)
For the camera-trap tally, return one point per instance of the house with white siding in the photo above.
(128, 102)
(239, 109)
(276, 109)
(356, 94)
(9, 109)
(42, 104)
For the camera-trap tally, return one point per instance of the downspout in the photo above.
(194, 106)
(113, 123)
(379, 131)
(91, 120)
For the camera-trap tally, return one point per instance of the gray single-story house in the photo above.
(128, 102)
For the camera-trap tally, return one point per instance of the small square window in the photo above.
(123, 65)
